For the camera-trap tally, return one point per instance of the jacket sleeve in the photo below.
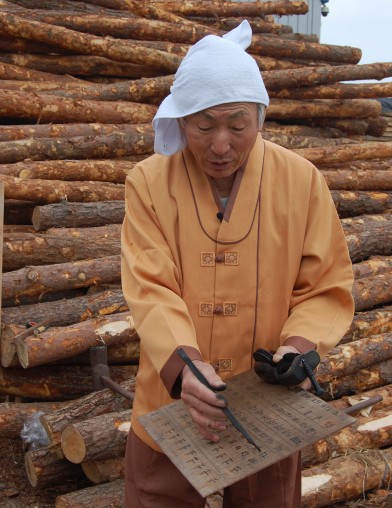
(151, 281)
(321, 306)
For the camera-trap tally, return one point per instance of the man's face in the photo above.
(221, 138)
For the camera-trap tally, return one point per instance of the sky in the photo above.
(364, 24)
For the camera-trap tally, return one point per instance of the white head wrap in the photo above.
(216, 70)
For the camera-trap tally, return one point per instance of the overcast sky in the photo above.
(364, 24)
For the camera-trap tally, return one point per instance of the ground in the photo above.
(16, 491)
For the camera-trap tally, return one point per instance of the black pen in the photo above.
(228, 412)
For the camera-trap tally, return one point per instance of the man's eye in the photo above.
(204, 129)
(238, 128)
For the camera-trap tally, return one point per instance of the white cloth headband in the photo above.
(216, 70)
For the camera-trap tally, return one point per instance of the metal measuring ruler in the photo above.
(281, 422)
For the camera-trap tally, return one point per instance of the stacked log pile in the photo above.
(79, 85)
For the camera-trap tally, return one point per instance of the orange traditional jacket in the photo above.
(275, 269)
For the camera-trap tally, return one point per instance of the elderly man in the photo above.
(230, 243)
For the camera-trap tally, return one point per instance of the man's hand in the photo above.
(280, 352)
(203, 404)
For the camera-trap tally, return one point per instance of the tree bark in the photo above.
(8, 71)
(359, 180)
(86, 44)
(35, 281)
(44, 468)
(100, 437)
(14, 414)
(106, 470)
(331, 155)
(59, 245)
(354, 203)
(334, 91)
(100, 496)
(372, 291)
(89, 406)
(54, 191)
(46, 108)
(293, 142)
(58, 343)
(52, 383)
(368, 378)
(375, 264)
(115, 145)
(288, 110)
(349, 358)
(301, 130)
(345, 478)
(374, 431)
(347, 401)
(366, 324)
(69, 215)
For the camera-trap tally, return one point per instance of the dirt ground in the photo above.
(16, 491)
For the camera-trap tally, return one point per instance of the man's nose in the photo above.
(221, 143)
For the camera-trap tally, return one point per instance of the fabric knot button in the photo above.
(218, 309)
(219, 258)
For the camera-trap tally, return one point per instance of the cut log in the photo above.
(375, 264)
(67, 215)
(44, 468)
(9, 71)
(259, 25)
(349, 358)
(330, 155)
(344, 478)
(347, 401)
(73, 310)
(35, 281)
(288, 110)
(14, 414)
(84, 408)
(353, 203)
(100, 437)
(292, 142)
(44, 108)
(365, 180)
(368, 432)
(372, 322)
(53, 191)
(111, 146)
(301, 130)
(63, 342)
(106, 470)
(51, 383)
(86, 44)
(372, 291)
(334, 91)
(8, 354)
(100, 496)
(58, 245)
(369, 378)
(367, 235)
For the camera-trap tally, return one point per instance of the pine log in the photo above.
(354, 203)
(58, 343)
(58, 245)
(347, 401)
(111, 146)
(8, 356)
(292, 142)
(122, 354)
(367, 238)
(52, 383)
(106, 470)
(44, 468)
(325, 74)
(369, 378)
(372, 322)
(335, 91)
(302, 130)
(349, 358)
(100, 496)
(344, 478)
(362, 180)
(86, 44)
(73, 310)
(14, 414)
(67, 215)
(54, 191)
(8, 71)
(372, 291)
(259, 25)
(46, 108)
(374, 431)
(89, 406)
(100, 437)
(287, 110)
(373, 265)
(35, 281)
(331, 155)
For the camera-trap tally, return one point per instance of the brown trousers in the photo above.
(153, 481)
